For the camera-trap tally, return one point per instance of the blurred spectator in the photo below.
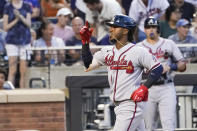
(193, 2)
(98, 12)
(17, 22)
(2, 41)
(183, 37)
(36, 9)
(46, 39)
(3, 76)
(141, 9)
(187, 9)
(75, 55)
(2, 4)
(193, 28)
(33, 36)
(61, 29)
(126, 5)
(3, 83)
(105, 41)
(79, 8)
(168, 26)
(123, 10)
(50, 7)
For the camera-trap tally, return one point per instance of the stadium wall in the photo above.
(37, 109)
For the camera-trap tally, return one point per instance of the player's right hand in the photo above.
(86, 33)
(141, 94)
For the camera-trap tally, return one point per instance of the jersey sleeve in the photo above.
(132, 11)
(147, 60)
(99, 57)
(176, 53)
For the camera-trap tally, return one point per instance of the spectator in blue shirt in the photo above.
(2, 4)
(17, 23)
(184, 37)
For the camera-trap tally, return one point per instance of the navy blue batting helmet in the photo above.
(151, 21)
(123, 21)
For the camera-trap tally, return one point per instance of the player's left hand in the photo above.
(86, 33)
(141, 94)
(166, 68)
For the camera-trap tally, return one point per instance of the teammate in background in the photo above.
(163, 94)
(141, 9)
(125, 63)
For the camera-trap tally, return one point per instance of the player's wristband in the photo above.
(153, 76)
(174, 67)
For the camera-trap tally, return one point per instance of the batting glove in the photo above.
(86, 33)
(141, 94)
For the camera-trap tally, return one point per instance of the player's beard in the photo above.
(112, 40)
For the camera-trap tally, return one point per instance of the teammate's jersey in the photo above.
(164, 50)
(125, 67)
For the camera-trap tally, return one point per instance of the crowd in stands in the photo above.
(56, 23)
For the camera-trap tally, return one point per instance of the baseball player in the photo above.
(163, 94)
(125, 63)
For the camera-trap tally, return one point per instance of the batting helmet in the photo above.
(151, 22)
(123, 21)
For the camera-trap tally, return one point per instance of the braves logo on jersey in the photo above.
(159, 53)
(119, 64)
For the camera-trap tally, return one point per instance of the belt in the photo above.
(117, 103)
(163, 82)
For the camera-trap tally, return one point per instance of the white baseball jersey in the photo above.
(109, 10)
(164, 50)
(125, 68)
(139, 12)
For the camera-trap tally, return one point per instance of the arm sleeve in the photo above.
(154, 75)
(149, 62)
(86, 55)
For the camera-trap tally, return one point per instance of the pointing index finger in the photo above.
(87, 24)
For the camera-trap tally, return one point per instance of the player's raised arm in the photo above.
(86, 33)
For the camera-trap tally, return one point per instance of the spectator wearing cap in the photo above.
(184, 37)
(62, 29)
